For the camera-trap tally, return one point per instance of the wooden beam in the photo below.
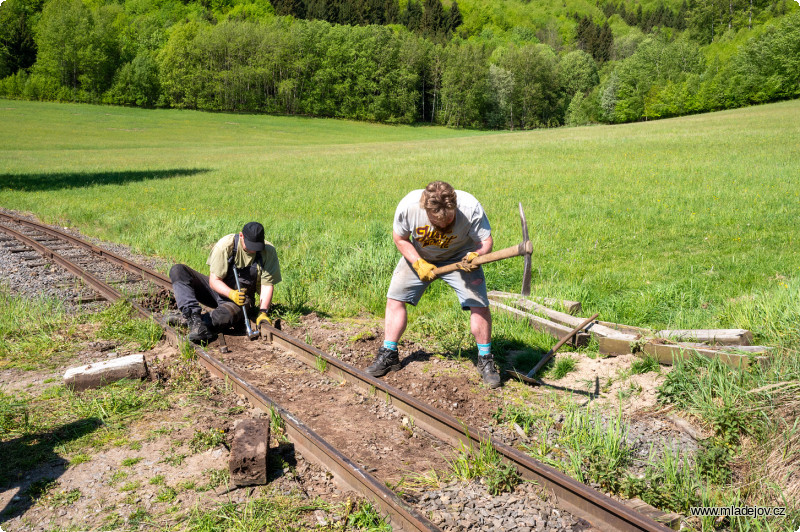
(667, 353)
(709, 336)
(615, 339)
(552, 328)
(563, 318)
(106, 372)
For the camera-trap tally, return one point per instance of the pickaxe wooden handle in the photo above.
(524, 248)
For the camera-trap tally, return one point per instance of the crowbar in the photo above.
(251, 334)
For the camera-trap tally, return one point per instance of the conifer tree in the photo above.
(412, 16)
(433, 17)
(454, 19)
(391, 12)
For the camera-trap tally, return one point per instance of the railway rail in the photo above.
(582, 501)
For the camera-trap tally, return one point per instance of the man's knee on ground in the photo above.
(226, 314)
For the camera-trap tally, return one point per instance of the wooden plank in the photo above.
(572, 307)
(561, 317)
(616, 339)
(612, 346)
(552, 328)
(249, 457)
(709, 336)
(626, 329)
(105, 372)
(667, 353)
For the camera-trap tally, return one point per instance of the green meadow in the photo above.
(688, 222)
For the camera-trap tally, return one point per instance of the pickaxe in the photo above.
(524, 248)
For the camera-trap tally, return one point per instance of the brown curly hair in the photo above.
(439, 201)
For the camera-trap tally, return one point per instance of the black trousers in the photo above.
(192, 289)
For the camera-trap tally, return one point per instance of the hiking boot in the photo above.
(491, 377)
(198, 331)
(386, 361)
(176, 319)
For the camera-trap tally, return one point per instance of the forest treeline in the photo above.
(373, 60)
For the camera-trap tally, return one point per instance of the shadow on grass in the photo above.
(522, 358)
(57, 181)
(30, 463)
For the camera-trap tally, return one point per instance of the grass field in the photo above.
(688, 222)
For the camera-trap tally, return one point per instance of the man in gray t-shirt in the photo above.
(434, 227)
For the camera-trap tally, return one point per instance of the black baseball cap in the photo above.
(253, 233)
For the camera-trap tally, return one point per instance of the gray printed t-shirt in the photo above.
(470, 226)
(218, 260)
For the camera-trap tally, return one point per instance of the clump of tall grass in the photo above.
(645, 365)
(366, 517)
(562, 367)
(773, 462)
(117, 322)
(597, 449)
(484, 462)
(754, 413)
(773, 314)
(33, 331)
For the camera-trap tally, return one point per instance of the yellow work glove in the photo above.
(424, 270)
(262, 318)
(466, 263)
(237, 296)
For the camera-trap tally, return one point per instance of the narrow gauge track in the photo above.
(78, 257)
(601, 511)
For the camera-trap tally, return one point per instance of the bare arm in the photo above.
(406, 248)
(265, 299)
(485, 246)
(218, 285)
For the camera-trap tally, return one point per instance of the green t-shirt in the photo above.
(218, 260)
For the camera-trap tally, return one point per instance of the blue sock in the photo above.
(485, 350)
(390, 345)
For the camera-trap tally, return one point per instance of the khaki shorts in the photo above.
(407, 287)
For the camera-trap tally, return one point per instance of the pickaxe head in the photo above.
(528, 250)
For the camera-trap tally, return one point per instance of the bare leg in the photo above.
(480, 323)
(396, 320)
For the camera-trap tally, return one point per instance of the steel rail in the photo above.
(145, 273)
(600, 510)
(106, 290)
(312, 446)
(581, 500)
